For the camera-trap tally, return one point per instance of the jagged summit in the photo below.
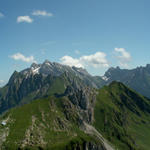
(53, 68)
(57, 69)
(46, 61)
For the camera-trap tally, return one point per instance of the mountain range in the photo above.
(137, 79)
(53, 106)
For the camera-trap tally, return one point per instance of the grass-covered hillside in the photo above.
(51, 123)
(123, 117)
(79, 118)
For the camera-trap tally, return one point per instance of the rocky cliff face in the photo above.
(83, 98)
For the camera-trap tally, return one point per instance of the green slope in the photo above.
(123, 117)
(43, 124)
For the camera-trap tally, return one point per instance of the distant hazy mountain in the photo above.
(137, 79)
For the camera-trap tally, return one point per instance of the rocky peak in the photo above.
(34, 65)
(55, 69)
(13, 77)
(47, 63)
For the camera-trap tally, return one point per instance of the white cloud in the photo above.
(96, 60)
(1, 15)
(19, 56)
(68, 60)
(123, 56)
(42, 13)
(24, 19)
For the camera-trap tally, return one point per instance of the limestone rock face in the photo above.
(83, 98)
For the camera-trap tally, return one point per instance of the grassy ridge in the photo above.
(120, 114)
(123, 116)
(42, 124)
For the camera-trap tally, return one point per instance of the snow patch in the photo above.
(47, 63)
(105, 78)
(35, 70)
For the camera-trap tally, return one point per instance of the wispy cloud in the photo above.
(96, 60)
(19, 56)
(1, 15)
(26, 19)
(123, 56)
(42, 13)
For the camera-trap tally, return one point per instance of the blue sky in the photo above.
(94, 34)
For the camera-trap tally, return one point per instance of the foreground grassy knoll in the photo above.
(123, 117)
(50, 123)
